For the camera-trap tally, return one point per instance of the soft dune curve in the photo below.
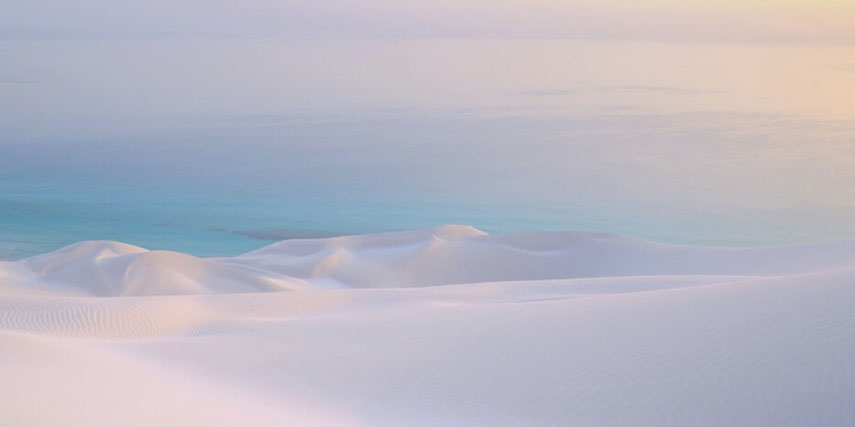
(444, 326)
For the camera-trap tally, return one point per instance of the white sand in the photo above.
(447, 326)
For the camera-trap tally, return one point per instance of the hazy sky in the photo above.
(695, 121)
(720, 20)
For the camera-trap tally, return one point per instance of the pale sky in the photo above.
(807, 21)
(611, 111)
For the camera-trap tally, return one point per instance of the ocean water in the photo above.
(217, 147)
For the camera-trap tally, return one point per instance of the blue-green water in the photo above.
(164, 145)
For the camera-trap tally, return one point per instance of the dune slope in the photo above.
(445, 326)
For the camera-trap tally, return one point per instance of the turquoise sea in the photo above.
(220, 148)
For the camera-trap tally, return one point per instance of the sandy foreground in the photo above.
(446, 326)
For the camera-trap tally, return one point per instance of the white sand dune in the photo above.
(446, 326)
